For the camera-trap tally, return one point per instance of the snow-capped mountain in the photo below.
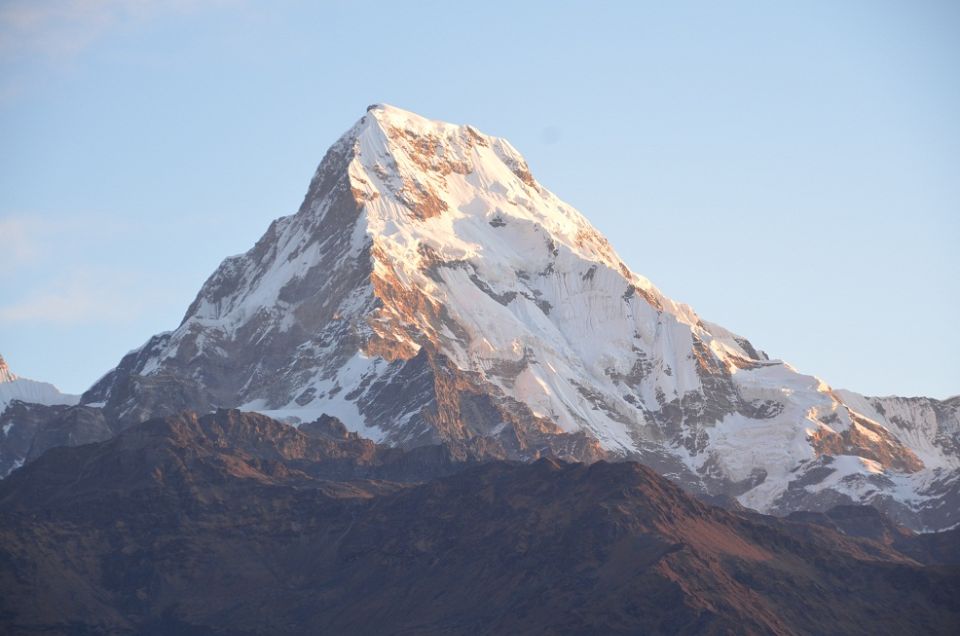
(13, 387)
(430, 289)
(20, 399)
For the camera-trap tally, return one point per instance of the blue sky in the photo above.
(792, 170)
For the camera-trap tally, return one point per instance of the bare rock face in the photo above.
(30, 429)
(430, 290)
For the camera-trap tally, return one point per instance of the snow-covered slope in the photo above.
(13, 387)
(429, 288)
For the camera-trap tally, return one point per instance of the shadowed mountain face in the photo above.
(867, 522)
(233, 523)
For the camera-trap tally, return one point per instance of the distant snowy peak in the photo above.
(430, 289)
(22, 403)
(6, 375)
(13, 387)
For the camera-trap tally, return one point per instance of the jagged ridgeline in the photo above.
(233, 523)
(429, 290)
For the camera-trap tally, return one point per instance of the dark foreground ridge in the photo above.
(232, 523)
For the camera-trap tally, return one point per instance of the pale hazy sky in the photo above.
(790, 169)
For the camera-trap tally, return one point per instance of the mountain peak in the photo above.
(429, 289)
(6, 375)
(383, 112)
(428, 185)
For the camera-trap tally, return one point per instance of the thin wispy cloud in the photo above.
(21, 244)
(88, 296)
(41, 281)
(63, 28)
(30, 240)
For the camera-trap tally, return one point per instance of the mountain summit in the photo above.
(429, 289)
(6, 375)
(15, 388)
